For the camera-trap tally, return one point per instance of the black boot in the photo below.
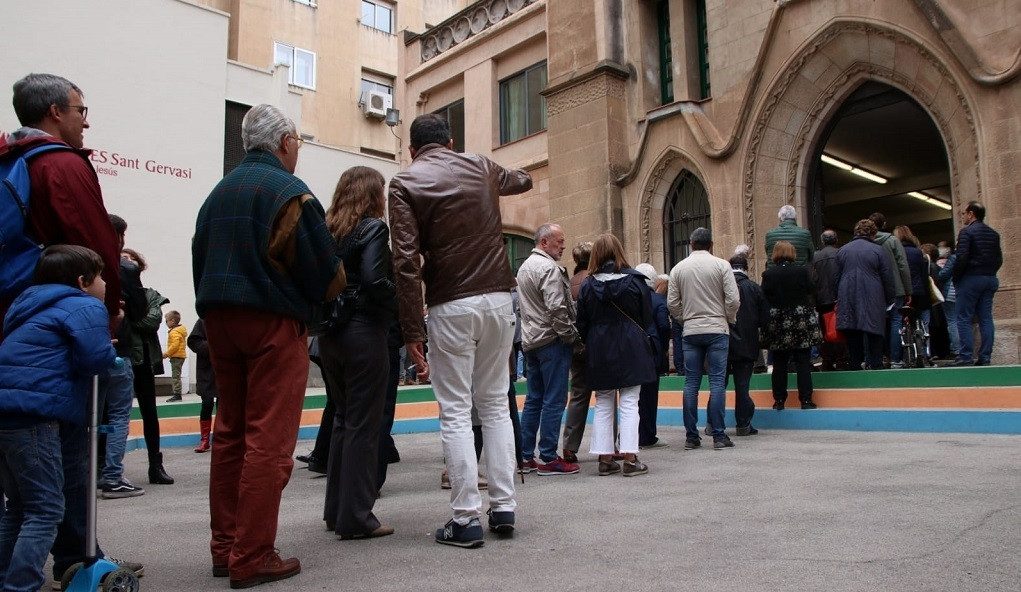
(157, 474)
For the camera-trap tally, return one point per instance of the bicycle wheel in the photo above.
(919, 346)
(910, 356)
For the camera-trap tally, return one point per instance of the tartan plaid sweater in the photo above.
(261, 242)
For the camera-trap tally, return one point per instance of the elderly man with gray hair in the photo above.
(262, 258)
(789, 231)
(548, 335)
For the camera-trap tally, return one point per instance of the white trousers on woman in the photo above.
(602, 423)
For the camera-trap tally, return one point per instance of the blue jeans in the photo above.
(69, 546)
(701, 350)
(950, 313)
(33, 479)
(975, 298)
(547, 368)
(117, 389)
(896, 320)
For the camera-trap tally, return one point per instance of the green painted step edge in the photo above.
(878, 379)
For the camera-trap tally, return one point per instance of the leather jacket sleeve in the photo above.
(376, 273)
(407, 263)
(511, 181)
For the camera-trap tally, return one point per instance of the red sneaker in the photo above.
(557, 466)
(528, 466)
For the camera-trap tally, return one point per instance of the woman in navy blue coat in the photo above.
(615, 319)
(864, 290)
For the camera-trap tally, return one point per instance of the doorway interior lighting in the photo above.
(930, 200)
(877, 179)
(853, 169)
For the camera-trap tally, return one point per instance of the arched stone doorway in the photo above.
(685, 208)
(789, 131)
(881, 152)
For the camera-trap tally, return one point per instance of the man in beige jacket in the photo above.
(547, 338)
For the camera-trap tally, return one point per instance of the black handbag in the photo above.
(335, 314)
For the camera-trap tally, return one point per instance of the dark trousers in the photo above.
(321, 449)
(69, 546)
(354, 359)
(648, 405)
(802, 363)
(744, 407)
(387, 448)
(863, 346)
(261, 365)
(145, 393)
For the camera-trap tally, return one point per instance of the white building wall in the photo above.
(155, 77)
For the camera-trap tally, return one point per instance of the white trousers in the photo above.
(602, 421)
(469, 345)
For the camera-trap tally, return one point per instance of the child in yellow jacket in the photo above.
(176, 352)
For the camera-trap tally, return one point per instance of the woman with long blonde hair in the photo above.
(355, 356)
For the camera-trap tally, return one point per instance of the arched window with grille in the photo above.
(685, 209)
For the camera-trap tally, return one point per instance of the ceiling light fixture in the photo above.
(930, 200)
(853, 169)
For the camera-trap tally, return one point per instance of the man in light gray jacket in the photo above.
(547, 338)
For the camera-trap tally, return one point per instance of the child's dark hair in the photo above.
(62, 264)
(176, 316)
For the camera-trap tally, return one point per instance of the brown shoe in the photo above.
(570, 456)
(270, 569)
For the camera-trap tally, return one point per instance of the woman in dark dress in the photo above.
(355, 355)
(793, 323)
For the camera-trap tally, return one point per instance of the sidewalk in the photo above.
(784, 510)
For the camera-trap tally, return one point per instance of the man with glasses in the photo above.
(262, 257)
(979, 257)
(65, 207)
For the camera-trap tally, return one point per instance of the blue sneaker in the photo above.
(501, 522)
(468, 536)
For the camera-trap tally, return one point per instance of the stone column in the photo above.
(587, 117)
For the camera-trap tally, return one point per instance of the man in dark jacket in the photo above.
(752, 316)
(262, 258)
(116, 386)
(445, 211)
(901, 286)
(979, 257)
(834, 355)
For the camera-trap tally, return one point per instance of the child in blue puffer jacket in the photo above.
(56, 335)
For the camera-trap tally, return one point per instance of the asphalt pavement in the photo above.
(783, 510)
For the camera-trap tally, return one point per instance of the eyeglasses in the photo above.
(81, 109)
(299, 140)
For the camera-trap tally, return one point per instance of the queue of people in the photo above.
(268, 260)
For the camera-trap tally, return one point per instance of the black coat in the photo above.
(751, 317)
(865, 286)
(825, 264)
(205, 380)
(619, 342)
(919, 266)
(661, 314)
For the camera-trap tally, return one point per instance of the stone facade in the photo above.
(780, 71)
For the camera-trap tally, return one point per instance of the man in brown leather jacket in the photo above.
(447, 232)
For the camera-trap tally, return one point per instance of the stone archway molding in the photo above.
(713, 144)
(823, 72)
(670, 163)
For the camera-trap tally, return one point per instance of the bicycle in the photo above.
(914, 338)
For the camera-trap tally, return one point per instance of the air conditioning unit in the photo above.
(375, 104)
